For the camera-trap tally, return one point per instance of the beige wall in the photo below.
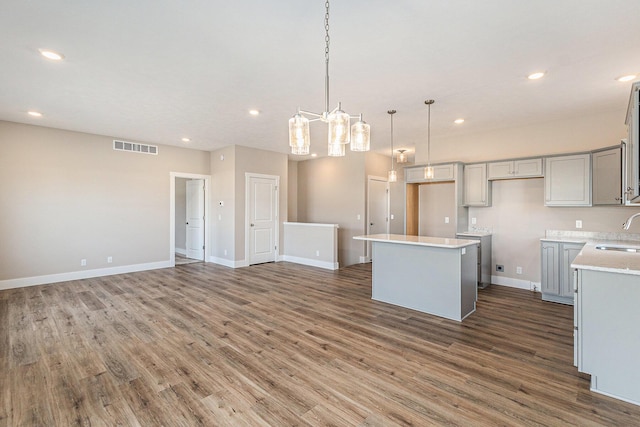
(562, 136)
(251, 160)
(228, 168)
(65, 196)
(437, 201)
(181, 213)
(292, 192)
(332, 190)
(518, 219)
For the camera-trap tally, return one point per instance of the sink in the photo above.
(619, 248)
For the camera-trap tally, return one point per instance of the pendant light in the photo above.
(402, 158)
(428, 171)
(393, 176)
(340, 132)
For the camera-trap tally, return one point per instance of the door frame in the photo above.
(247, 216)
(388, 200)
(172, 213)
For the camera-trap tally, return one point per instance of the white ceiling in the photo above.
(157, 71)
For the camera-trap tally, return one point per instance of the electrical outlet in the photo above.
(392, 216)
(518, 270)
(578, 223)
(83, 263)
(499, 267)
(446, 220)
(358, 217)
(109, 259)
(317, 253)
(473, 221)
(225, 252)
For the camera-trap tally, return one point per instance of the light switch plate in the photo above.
(473, 221)
(578, 223)
(446, 220)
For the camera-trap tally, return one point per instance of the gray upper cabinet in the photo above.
(523, 168)
(445, 172)
(567, 180)
(607, 176)
(476, 187)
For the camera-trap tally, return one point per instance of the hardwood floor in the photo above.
(283, 345)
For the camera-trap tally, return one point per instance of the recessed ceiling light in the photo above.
(185, 140)
(536, 76)
(626, 78)
(34, 113)
(458, 121)
(49, 54)
(254, 112)
(314, 155)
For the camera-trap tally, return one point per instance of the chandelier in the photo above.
(340, 132)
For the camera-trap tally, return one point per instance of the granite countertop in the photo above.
(591, 258)
(437, 242)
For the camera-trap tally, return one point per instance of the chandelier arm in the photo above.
(309, 113)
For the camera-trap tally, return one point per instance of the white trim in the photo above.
(247, 220)
(181, 251)
(367, 230)
(227, 262)
(364, 259)
(78, 275)
(172, 212)
(312, 224)
(514, 283)
(311, 262)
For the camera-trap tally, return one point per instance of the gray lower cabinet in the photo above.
(484, 256)
(557, 275)
(606, 325)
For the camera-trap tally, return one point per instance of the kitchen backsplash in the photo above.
(591, 235)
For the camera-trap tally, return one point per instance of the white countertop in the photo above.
(591, 258)
(437, 242)
(474, 233)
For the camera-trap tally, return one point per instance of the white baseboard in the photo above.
(311, 262)
(181, 251)
(515, 283)
(228, 262)
(364, 259)
(77, 275)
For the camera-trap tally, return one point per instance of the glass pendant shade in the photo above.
(339, 127)
(428, 172)
(402, 157)
(337, 149)
(299, 140)
(360, 136)
(393, 176)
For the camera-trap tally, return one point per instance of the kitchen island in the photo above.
(433, 275)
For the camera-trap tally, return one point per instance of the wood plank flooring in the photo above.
(284, 345)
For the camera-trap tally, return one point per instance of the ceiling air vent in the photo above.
(135, 147)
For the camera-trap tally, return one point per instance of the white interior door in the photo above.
(377, 208)
(195, 219)
(263, 219)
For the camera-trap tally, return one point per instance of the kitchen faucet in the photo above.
(627, 223)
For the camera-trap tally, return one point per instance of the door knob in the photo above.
(187, 223)
(371, 223)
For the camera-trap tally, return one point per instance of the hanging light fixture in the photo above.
(393, 175)
(428, 171)
(340, 131)
(402, 158)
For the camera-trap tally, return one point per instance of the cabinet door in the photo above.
(500, 170)
(550, 268)
(476, 186)
(567, 180)
(607, 177)
(527, 168)
(443, 173)
(569, 253)
(414, 174)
